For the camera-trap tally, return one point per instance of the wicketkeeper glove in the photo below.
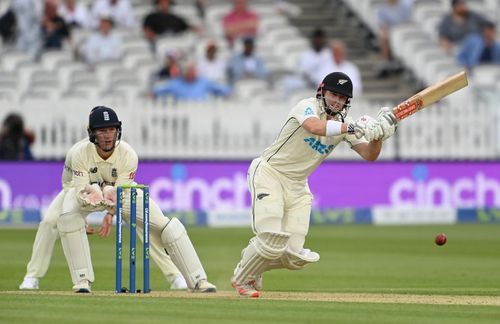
(109, 196)
(92, 195)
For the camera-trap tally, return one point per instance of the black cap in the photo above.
(456, 2)
(337, 82)
(101, 117)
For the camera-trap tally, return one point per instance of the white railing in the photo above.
(464, 127)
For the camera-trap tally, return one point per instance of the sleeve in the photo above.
(304, 110)
(80, 174)
(163, 89)
(219, 89)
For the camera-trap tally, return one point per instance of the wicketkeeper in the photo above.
(281, 199)
(93, 169)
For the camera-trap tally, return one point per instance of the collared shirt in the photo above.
(296, 153)
(246, 18)
(84, 166)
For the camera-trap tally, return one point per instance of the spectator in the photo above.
(74, 14)
(171, 68)
(119, 10)
(15, 140)
(480, 48)
(247, 64)
(162, 22)
(28, 15)
(390, 14)
(339, 63)
(8, 26)
(457, 25)
(312, 60)
(241, 22)
(104, 44)
(190, 86)
(211, 66)
(54, 28)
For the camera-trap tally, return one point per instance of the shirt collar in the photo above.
(97, 158)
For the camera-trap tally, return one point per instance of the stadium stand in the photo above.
(55, 93)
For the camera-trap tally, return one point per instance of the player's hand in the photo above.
(388, 122)
(109, 195)
(368, 127)
(107, 223)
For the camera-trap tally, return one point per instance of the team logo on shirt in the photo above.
(308, 111)
(93, 170)
(318, 146)
(114, 173)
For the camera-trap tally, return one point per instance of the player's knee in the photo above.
(271, 245)
(70, 222)
(173, 231)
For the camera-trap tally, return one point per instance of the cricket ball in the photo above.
(440, 239)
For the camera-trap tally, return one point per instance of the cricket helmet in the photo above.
(337, 82)
(103, 117)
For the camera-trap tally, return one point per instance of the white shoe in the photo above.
(83, 286)
(29, 283)
(204, 286)
(179, 283)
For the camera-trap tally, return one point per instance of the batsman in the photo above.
(93, 168)
(281, 199)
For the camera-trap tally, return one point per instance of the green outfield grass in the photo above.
(354, 260)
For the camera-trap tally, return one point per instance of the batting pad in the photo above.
(182, 252)
(263, 248)
(296, 261)
(76, 247)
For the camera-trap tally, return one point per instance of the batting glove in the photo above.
(388, 122)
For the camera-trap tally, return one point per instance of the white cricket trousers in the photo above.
(279, 203)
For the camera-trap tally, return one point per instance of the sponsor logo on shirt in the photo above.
(114, 173)
(308, 111)
(318, 146)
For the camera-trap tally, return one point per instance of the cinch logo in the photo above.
(181, 193)
(318, 146)
(308, 112)
(477, 191)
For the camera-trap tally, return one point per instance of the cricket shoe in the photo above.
(253, 281)
(203, 286)
(82, 286)
(29, 283)
(245, 290)
(179, 283)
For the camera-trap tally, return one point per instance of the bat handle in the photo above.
(359, 133)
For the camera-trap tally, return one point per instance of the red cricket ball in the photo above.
(440, 239)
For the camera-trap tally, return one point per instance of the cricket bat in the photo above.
(430, 95)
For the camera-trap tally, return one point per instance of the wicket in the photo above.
(133, 226)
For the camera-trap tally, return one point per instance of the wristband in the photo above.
(333, 128)
(350, 129)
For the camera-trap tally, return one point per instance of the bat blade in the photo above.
(430, 95)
